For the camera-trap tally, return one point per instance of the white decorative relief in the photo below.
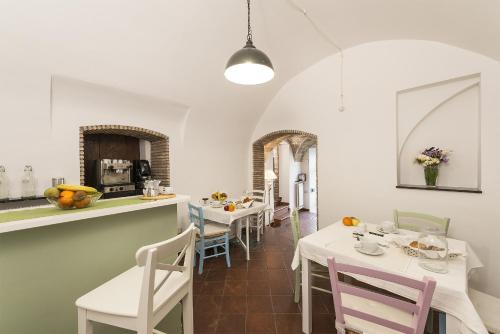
(444, 114)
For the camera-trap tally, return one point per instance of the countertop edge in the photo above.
(70, 217)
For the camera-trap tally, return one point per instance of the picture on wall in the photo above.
(439, 135)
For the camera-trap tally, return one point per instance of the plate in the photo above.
(379, 251)
(380, 230)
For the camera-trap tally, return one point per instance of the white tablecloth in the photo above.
(226, 217)
(450, 295)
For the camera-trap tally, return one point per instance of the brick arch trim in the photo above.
(160, 151)
(307, 140)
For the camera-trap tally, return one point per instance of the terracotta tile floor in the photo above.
(256, 297)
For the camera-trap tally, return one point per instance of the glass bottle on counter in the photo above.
(4, 185)
(28, 183)
(433, 250)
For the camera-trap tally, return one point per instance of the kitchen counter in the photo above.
(20, 219)
(50, 257)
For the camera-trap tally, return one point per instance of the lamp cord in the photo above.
(331, 42)
(249, 34)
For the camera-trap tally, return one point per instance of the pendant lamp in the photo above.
(249, 66)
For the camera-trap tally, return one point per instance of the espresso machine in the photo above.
(142, 172)
(114, 178)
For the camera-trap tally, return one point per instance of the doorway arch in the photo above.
(300, 142)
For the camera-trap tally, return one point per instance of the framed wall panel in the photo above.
(446, 114)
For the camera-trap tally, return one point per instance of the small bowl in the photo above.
(93, 199)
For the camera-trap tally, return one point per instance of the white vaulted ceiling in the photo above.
(177, 49)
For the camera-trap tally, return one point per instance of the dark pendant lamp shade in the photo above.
(249, 66)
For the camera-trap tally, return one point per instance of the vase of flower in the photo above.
(431, 174)
(431, 158)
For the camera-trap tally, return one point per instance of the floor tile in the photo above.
(285, 304)
(234, 305)
(256, 296)
(235, 288)
(231, 324)
(207, 304)
(260, 323)
(258, 288)
(236, 274)
(205, 323)
(259, 304)
(280, 287)
(288, 323)
(257, 275)
(323, 324)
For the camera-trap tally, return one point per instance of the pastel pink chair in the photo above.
(363, 311)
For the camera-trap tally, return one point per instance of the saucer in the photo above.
(379, 251)
(380, 230)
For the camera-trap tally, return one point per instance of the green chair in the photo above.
(415, 221)
(316, 269)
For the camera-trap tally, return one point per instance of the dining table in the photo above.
(240, 217)
(450, 295)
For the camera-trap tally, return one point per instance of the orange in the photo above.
(83, 203)
(66, 199)
(347, 221)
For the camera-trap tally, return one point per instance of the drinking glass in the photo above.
(433, 250)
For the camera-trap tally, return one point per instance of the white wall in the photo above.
(284, 171)
(41, 121)
(357, 148)
(304, 168)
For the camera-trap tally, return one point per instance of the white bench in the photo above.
(488, 308)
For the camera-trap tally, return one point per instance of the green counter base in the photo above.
(44, 270)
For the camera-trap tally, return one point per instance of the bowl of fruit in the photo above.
(67, 197)
(218, 199)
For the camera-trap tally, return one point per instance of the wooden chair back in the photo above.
(419, 310)
(258, 196)
(197, 218)
(182, 248)
(415, 221)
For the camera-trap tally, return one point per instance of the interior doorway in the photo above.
(291, 155)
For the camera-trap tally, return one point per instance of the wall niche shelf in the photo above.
(441, 188)
(444, 114)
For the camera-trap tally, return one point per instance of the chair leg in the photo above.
(84, 325)
(258, 233)
(442, 323)
(202, 257)
(187, 313)
(228, 258)
(296, 289)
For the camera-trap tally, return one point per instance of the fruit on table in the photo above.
(68, 196)
(75, 188)
(230, 207)
(219, 196)
(52, 192)
(83, 203)
(66, 199)
(79, 195)
(350, 221)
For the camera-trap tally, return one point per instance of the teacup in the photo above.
(368, 245)
(361, 228)
(388, 226)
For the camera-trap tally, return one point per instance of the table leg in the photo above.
(306, 296)
(248, 237)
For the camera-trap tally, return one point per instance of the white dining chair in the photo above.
(141, 297)
(257, 220)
